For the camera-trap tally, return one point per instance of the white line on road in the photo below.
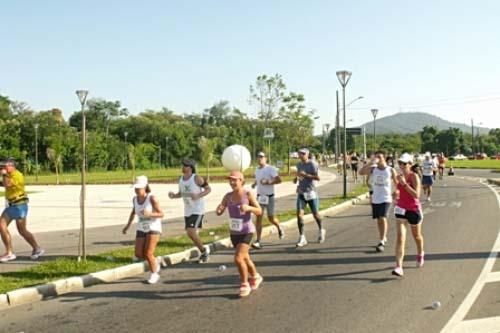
(456, 323)
(479, 325)
(493, 277)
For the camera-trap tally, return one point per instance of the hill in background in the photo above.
(413, 122)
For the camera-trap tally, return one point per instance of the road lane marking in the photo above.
(493, 277)
(479, 325)
(456, 204)
(438, 204)
(457, 320)
(428, 211)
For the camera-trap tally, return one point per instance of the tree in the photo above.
(206, 148)
(429, 139)
(267, 94)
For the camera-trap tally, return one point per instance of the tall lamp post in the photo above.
(326, 127)
(374, 114)
(166, 150)
(253, 141)
(36, 152)
(344, 77)
(82, 251)
(126, 150)
(337, 125)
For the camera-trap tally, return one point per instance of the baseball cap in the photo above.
(304, 150)
(405, 158)
(141, 182)
(236, 175)
(261, 154)
(188, 162)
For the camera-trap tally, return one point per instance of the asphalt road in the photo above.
(480, 173)
(342, 285)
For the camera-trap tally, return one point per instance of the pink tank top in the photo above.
(406, 200)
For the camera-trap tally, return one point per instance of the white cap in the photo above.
(428, 153)
(141, 182)
(405, 158)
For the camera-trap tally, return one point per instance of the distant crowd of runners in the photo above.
(391, 182)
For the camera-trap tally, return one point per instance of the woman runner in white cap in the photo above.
(147, 208)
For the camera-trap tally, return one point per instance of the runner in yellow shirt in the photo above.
(17, 209)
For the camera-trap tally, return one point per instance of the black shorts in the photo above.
(413, 218)
(238, 239)
(380, 210)
(354, 167)
(193, 221)
(142, 234)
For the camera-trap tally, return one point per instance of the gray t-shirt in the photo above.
(307, 184)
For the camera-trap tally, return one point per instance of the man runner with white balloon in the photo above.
(192, 189)
(307, 173)
(265, 178)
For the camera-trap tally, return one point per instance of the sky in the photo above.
(440, 57)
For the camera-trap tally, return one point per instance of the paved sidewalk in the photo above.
(103, 238)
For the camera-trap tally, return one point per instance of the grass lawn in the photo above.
(64, 267)
(170, 175)
(475, 164)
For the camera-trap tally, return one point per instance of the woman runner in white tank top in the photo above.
(148, 210)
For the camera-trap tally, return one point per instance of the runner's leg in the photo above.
(28, 236)
(4, 231)
(400, 242)
(149, 251)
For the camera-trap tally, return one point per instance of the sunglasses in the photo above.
(403, 163)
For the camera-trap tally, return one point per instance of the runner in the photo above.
(383, 194)
(149, 212)
(17, 209)
(265, 178)
(307, 173)
(408, 210)
(428, 168)
(241, 204)
(192, 188)
(441, 164)
(354, 166)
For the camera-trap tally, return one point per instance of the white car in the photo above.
(458, 157)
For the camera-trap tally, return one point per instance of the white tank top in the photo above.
(381, 185)
(146, 224)
(186, 188)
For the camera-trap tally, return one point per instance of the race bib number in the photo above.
(263, 199)
(311, 195)
(188, 201)
(144, 225)
(399, 211)
(380, 181)
(236, 224)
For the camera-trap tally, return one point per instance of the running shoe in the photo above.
(398, 271)
(245, 289)
(420, 260)
(154, 277)
(321, 236)
(255, 282)
(8, 257)
(302, 241)
(281, 233)
(37, 253)
(204, 257)
(380, 247)
(257, 245)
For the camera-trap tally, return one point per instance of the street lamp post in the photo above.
(374, 113)
(126, 150)
(82, 97)
(253, 141)
(326, 127)
(344, 77)
(166, 150)
(36, 152)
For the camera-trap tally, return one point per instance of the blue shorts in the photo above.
(427, 180)
(302, 203)
(16, 212)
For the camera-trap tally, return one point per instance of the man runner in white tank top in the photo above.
(266, 176)
(192, 189)
(383, 193)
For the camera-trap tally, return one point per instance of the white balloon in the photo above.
(236, 158)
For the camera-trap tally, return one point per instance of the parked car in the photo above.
(458, 157)
(481, 156)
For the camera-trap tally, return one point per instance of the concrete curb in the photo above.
(495, 181)
(72, 284)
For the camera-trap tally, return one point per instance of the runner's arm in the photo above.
(203, 184)
(130, 220)
(157, 211)
(253, 206)
(222, 206)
